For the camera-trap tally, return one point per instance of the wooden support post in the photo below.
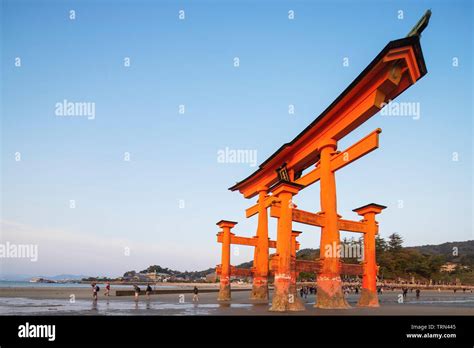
(282, 299)
(295, 303)
(368, 297)
(260, 262)
(224, 290)
(330, 294)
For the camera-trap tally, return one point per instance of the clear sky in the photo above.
(138, 204)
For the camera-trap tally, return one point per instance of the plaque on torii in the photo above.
(313, 156)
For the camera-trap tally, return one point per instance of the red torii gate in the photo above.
(279, 178)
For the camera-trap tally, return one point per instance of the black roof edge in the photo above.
(367, 205)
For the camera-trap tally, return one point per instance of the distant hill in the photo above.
(192, 275)
(27, 277)
(16, 277)
(66, 277)
(453, 251)
(465, 251)
(307, 254)
(246, 265)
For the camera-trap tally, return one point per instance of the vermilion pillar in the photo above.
(330, 294)
(368, 297)
(224, 290)
(298, 303)
(260, 263)
(283, 300)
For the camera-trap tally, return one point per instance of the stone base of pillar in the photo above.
(280, 302)
(297, 305)
(330, 294)
(368, 298)
(259, 292)
(281, 299)
(285, 302)
(224, 293)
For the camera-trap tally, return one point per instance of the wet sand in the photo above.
(57, 301)
(86, 292)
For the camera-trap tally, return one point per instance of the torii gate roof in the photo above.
(399, 65)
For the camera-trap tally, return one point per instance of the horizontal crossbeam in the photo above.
(237, 240)
(316, 219)
(352, 269)
(352, 226)
(314, 266)
(342, 159)
(308, 266)
(254, 209)
(234, 271)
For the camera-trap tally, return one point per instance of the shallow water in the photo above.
(26, 306)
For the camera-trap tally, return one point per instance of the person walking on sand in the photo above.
(418, 293)
(196, 294)
(95, 290)
(137, 291)
(405, 292)
(148, 291)
(107, 289)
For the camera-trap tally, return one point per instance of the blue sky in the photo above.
(136, 204)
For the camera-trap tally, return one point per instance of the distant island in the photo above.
(60, 278)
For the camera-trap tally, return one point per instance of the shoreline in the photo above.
(58, 292)
(180, 288)
(124, 291)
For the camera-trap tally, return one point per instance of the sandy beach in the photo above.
(81, 293)
(78, 301)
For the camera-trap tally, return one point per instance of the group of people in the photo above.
(351, 289)
(463, 290)
(305, 290)
(310, 290)
(405, 292)
(137, 290)
(96, 289)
